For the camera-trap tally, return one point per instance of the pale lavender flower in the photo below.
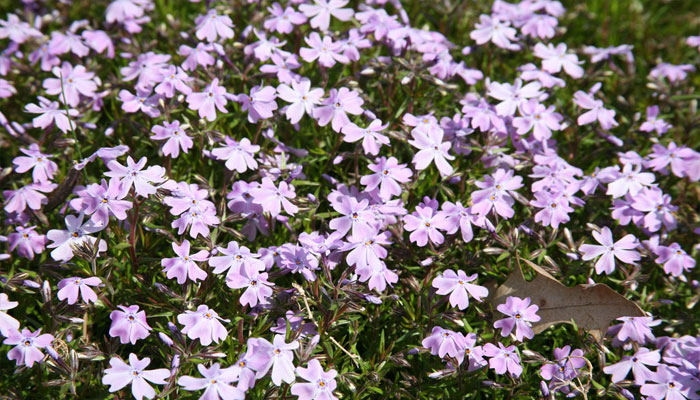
(142, 101)
(631, 180)
(7, 323)
(70, 83)
(503, 359)
(372, 140)
(554, 59)
(121, 374)
(325, 50)
(173, 78)
(496, 193)
(442, 342)
(669, 384)
(204, 325)
(175, 136)
(70, 288)
(457, 286)
(105, 200)
(258, 288)
(623, 250)
(273, 198)
(388, 173)
(321, 11)
(423, 226)
(638, 364)
(303, 99)
(493, 29)
(521, 314)
(184, 266)
(215, 381)
(134, 174)
(75, 234)
(354, 216)
(27, 196)
(674, 259)
(320, 384)
(129, 324)
(283, 20)
(28, 346)
(260, 103)
(239, 156)
(27, 241)
(597, 111)
(653, 123)
(212, 25)
(637, 329)
(51, 113)
(207, 102)
(235, 259)
(337, 106)
(513, 96)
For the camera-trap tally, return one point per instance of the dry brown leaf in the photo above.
(591, 307)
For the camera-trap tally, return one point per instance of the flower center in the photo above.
(518, 316)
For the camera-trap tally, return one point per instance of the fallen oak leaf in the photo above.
(592, 307)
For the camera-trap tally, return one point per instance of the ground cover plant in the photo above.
(334, 199)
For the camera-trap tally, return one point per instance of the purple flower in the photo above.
(121, 374)
(503, 359)
(658, 208)
(321, 384)
(69, 288)
(142, 101)
(638, 364)
(539, 119)
(674, 259)
(50, 113)
(27, 196)
(215, 382)
(257, 286)
(134, 175)
(175, 137)
(42, 167)
(372, 141)
(454, 216)
(273, 198)
(388, 173)
(431, 149)
(303, 99)
(496, 193)
(211, 25)
(495, 30)
(514, 96)
(474, 354)
(173, 78)
(196, 56)
(355, 217)
(520, 314)
(70, 83)
(76, 234)
(27, 241)
(321, 11)
(235, 259)
(457, 286)
(204, 325)
(637, 329)
(283, 20)
(283, 66)
(563, 369)
(669, 384)
(326, 51)
(7, 323)
(653, 123)
(337, 106)
(194, 209)
(129, 324)
(207, 102)
(623, 250)
(597, 111)
(27, 346)
(631, 180)
(554, 207)
(556, 58)
(678, 157)
(105, 200)
(148, 67)
(184, 266)
(366, 251)
(674, 73)
(260, 103)
(281, 359)
(238, 155)
(423, 226)
(442, 342)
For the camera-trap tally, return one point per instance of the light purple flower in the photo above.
(563, 369)
(27, 241)
(173, 78)
(496, 30)
(337, 106)
(27, 346)
(372, 141)
(69, 289)
(303, 99)
(27, 196)
(7, 323)
(212, 25)
(196, 56)
(129, 324)
(207, 102)
(496, 193)
(653, 123)
(388, 173)
(281, 359)
(356, 217)
(321, 11)
(454, 216)
(321, 384)
(260, 103)
(457, 286)
(257, 286)
(442, 342)
(235, 259)
(631, 180)
(367, 251)
(51, 113)
(237, 155)
(638, 364)
(669, 384)
(70, 83)
(674, 259)
(134, 174)
(204, 325)
(215, 381)
(597, 111)
(623, 250)
(637, 329)
(325, 50)
(521, 314)
(539, 119)
(75, 234)
(273, 198)
(184, 266)
(106, 200)
(503, 359)
(554, 59)
(513, 96)
(283, 20)
(121, 374)
(142, 101)
(175, 136)
(554, 207)
(423, 226)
